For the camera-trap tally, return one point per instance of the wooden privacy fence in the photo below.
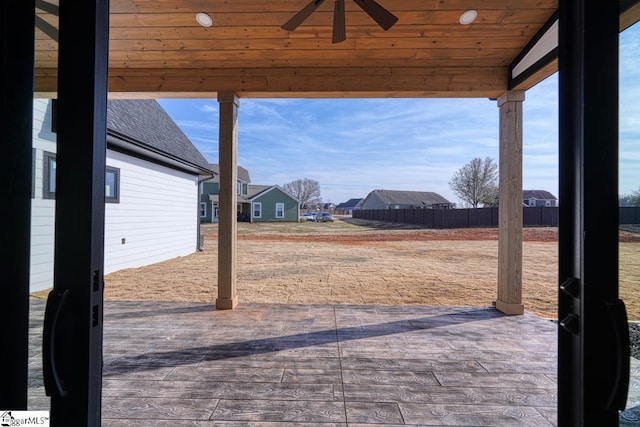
(629, 216)
(480, 217)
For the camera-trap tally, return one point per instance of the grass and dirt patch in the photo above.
(352, 261)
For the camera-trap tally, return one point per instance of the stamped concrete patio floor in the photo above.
(263, 364)
(185, 364)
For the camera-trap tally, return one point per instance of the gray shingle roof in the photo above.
(348, 204)
(258, 190)
(416, 198)
(254, 190)
(537, 194)
(243, 174)
(146, 124)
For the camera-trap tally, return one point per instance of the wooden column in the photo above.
(227, 210)
(509, 299)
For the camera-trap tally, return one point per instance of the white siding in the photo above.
(158, 214)
(42, 210)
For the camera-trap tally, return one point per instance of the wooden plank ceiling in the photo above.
(157, 49)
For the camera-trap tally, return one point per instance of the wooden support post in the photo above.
(509, 299)
(227, 210)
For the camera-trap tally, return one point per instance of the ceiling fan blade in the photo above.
(382, 16)
(48, 29)
(48, 7)
(301, 16)
(44, 26)
(339, 26)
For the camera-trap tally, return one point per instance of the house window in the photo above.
(239, 188)
(279, 210)
(111, 179)
(48, 175)
(33, 173)
(215, 211)
(203, 210)
(257, 210)
(112, 185)
(245, 188)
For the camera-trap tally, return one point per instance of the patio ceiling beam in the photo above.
(629, 13)
(284, 83)
(483, 82)
(539, 59)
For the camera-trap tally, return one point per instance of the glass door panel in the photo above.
(43, 150)
(629, 244)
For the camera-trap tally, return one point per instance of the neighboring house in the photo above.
(255, 203)
(393, 199)
(314, 207)
(210, 193)
(535, 198)
(272, 203)
(151, 189)
(347, 208)
(329, 207)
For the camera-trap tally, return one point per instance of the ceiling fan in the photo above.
(44, 26)
(382, 16)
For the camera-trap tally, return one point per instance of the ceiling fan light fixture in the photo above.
(382, 16)
(204, 19)
(468, 16)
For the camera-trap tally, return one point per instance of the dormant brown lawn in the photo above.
(358, 262)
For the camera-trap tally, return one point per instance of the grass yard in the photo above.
(363, 262)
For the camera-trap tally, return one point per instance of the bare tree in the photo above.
(476, 182)
(631, 199)
(306, 190)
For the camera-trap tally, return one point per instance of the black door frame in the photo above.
(72, 336)
(73, 321)
(593, 335)
(17, 20)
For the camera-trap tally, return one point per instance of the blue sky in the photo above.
(353, 146)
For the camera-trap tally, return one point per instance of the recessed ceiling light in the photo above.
(468, 16)
(204, 19)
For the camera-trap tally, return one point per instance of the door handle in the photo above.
(618, 317)
(53, 382)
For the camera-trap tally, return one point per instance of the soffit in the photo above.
(158, 50)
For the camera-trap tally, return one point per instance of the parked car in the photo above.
(309, 216)
(324, 217)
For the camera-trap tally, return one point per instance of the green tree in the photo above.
(476, 182)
